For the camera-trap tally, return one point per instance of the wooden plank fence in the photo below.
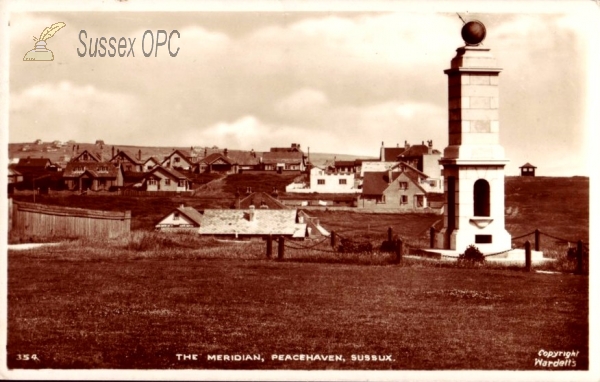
(43, 220)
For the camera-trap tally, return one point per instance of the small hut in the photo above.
(528, 169)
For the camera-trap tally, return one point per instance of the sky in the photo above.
(335, 81)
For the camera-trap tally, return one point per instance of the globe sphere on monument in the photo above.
(473, 32)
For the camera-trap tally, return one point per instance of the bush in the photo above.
(572, 253)
(473, 254)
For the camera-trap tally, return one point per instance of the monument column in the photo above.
(474, 160)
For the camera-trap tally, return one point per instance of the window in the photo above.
(79, 169)
(483, 239)
(177, 159)
(321, 181)
(404, 199)
(343, 181)
(403, 185)
(102, 169)
(176, 216)
(152, 182)
(481, 198)
(181, 183)
(167, 182)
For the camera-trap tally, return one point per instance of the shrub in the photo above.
(473, 254)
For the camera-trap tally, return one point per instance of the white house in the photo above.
(323, 181)
(181, 219)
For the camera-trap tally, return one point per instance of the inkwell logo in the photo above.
(41, 53)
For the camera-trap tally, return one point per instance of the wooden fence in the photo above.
(31, 219)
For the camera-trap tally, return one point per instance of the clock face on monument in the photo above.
(473, 32)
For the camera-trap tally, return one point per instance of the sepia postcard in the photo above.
(299, 190)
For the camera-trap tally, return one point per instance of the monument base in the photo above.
(514, 256)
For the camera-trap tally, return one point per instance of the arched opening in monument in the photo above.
(481, 198)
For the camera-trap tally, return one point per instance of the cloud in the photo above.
(67, 111)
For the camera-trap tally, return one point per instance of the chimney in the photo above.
(430, 147)
(251, 214)
(112, 151)
(205, 152)
(406, 145)
(252, 153)
(397, 144)
(225, 152)
(382, 153)
(139, 154)
(389, 175)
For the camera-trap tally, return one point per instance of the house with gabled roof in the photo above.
(150, 163)
(87, 156)
(528, 169)
(282, 161)
(162, 178)
(252, 223)
(402, 188)
(178, 160)
(180, 219)
(216, 163)
(424, 158)
(93, 176)
(128, 161)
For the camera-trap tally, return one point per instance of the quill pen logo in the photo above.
(41, 52)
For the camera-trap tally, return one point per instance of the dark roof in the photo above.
(190, 212)
(212, 158)
(185, 154)
(126, 155)
(92, 168)
(133, 176)
(529, 165)
(344, 163)
(30, 163)
(94, 156)
(404, 166)
(259, 199)
(416, 151)
(282, 157)
(391, 153)
(375, 183)
(169, 171)
(242, 158)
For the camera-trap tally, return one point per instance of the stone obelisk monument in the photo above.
(474, 160)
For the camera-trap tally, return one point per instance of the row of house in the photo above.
(88, 170)
(402, 178)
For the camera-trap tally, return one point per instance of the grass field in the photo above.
(139, 303)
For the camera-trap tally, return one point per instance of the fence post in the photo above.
(269, 246)
(431, 237)
(390, 234)
(537, 239)
(579, 257)
(527, 256)
(280, 248)
(398, 251)
(332, 239)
